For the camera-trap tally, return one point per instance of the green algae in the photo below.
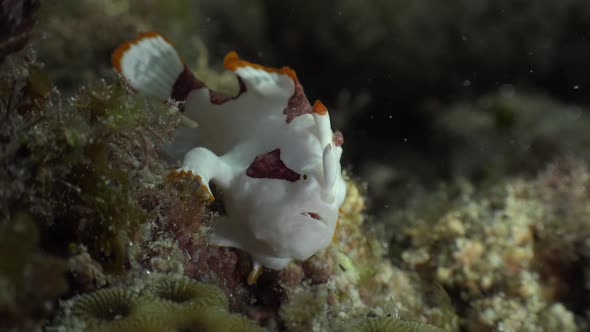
(76, 164)
(70, 171)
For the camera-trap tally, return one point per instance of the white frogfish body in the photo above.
(273, 154)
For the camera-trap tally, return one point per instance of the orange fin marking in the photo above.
(181, 174)
(319, 108)
(232, 62)
(211, 198)
(123, 48)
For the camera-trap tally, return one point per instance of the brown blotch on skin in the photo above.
(270, 166)
(185, 83)
(313, 215)
(298, 104)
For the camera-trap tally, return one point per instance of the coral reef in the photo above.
(348, 280)
(175, 237)
(510, 255)
(153, 302)
(184, 293)
(110, 309)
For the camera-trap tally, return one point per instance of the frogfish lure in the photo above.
(273, 154)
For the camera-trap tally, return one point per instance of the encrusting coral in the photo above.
(390, 324)
(184, 293)
(109, 309)
(153, 303)
(183, 304)
(512, 255)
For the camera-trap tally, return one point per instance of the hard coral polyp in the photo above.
(153, 303)
(271, 152)
(391, 324)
